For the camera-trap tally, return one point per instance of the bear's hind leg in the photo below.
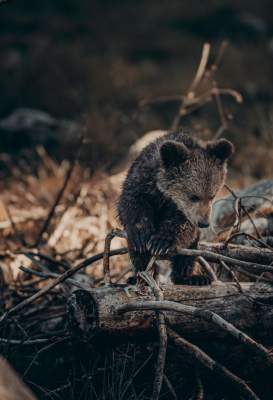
(182, 272)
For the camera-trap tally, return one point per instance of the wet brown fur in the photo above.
(167, 194)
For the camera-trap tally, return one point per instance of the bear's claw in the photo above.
(158, 245)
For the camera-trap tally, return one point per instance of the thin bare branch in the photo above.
(57, 281)
(211, 256)
(201, 69)
(163, 340)
(107, 247)
(208, 269)
(207, 315)
(204, 359)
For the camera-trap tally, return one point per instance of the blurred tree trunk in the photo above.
(11, 386)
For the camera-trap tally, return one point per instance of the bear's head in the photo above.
(192, 176)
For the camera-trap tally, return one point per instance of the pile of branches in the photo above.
(61, 284)
(57, 301)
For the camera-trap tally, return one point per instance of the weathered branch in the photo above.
(244, 256)
(61, 278)
(163, 338)
(236, 383)
(205, 315)
(241, 256)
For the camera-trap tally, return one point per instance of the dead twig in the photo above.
(248, 236)
(33, 257)
(55, 204)
(60, 194)
(237, 198)
(29, 342)
(202, 90)
(236, 280)
(51, 275)
(215, 257)
(199, 395)
(238, 284)
(170, 386)
(207, 315)
(42, 350)
(107, 246)
(163, 339)
(18, 235)
(208, 269)
(237, 223)
(253, 276)
(56, 282)
(238, 384)
(201, 70)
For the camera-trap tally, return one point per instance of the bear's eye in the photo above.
(195, 198)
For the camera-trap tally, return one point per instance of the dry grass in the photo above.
(80, 222)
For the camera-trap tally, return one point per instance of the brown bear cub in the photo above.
(167, 195)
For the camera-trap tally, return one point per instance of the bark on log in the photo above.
(94, 312)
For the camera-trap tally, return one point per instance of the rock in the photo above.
(252, 197)
(29, 127)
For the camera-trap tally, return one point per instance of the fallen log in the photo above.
(109, 311)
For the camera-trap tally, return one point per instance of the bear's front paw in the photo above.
(138, 236)
(159, 245)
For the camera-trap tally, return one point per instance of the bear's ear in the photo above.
(221, 149)
(173, 153)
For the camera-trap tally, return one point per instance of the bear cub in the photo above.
(167, 196)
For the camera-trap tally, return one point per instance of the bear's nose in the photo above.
(203, 224)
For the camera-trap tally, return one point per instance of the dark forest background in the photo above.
(92, 62)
